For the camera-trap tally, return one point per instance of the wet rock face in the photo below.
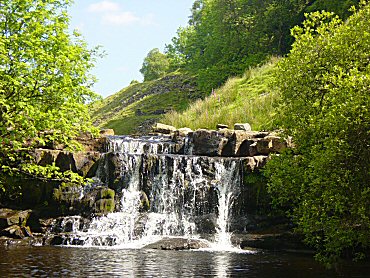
(67, 196)
(72, 199)
(100, 201)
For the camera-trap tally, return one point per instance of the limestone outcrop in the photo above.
(13, 223)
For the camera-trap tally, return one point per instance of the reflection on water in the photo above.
(89, 262)
(221, 264)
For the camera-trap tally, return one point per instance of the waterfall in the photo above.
(228, 188)
(163, 194)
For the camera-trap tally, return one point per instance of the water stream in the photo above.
(162, 195)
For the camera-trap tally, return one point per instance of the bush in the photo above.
(325, 84)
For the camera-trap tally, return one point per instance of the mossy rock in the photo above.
(104, 206)
(106, 193)
(67, 192)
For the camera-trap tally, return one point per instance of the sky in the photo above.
(127, 30)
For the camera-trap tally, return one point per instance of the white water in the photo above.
(179, 187)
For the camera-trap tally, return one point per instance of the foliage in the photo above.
(44, 83)
(155, 65)
(325, 84)
(243, 99)
(226, 37)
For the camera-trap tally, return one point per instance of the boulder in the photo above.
(99, 201)
(221, 126)
(242, 126)
(9, 217)
(45, 157)
(271, 144)
(13, 231)
(286, 241)
(169, 243)
(86, 163)
(27, 241)
(184, 131)
(249, 164)
(164, 129)
(238, 142)
(89, 143)
(208, 142)
(67, 195)
(106, 132)
(104, 206)
(83, 163)
(260, 160)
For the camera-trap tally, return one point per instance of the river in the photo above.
(48, 261)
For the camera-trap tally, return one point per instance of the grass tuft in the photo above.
(242, 99)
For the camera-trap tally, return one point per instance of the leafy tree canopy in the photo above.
(325, 100)
(226, 37)
(155, 65)
(44, 81)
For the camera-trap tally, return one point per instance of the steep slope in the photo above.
(242, 99)
(135, 108)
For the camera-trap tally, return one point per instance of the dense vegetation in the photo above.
(226, 37)
(324, 85)
(44, 84)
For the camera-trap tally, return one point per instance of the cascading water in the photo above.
(185, 195)
(228, 188)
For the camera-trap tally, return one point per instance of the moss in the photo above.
(104, 206)
(107, 193)
(67, 192)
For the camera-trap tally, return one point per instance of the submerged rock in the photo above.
(172, 243)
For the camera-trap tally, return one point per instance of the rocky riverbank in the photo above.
(42, 208)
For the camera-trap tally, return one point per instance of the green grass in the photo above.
(242, 99)
(135, 108)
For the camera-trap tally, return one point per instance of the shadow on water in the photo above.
(94, 262)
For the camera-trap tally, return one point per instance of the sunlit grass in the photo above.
(141, 103)
(242, 99)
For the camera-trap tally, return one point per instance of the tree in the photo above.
(226, 37)
(324, 182)
(44, 82)
(155, 65)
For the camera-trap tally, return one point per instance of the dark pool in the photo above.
(93, 262)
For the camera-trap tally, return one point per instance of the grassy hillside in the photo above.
(242, 99)
(135, 108)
